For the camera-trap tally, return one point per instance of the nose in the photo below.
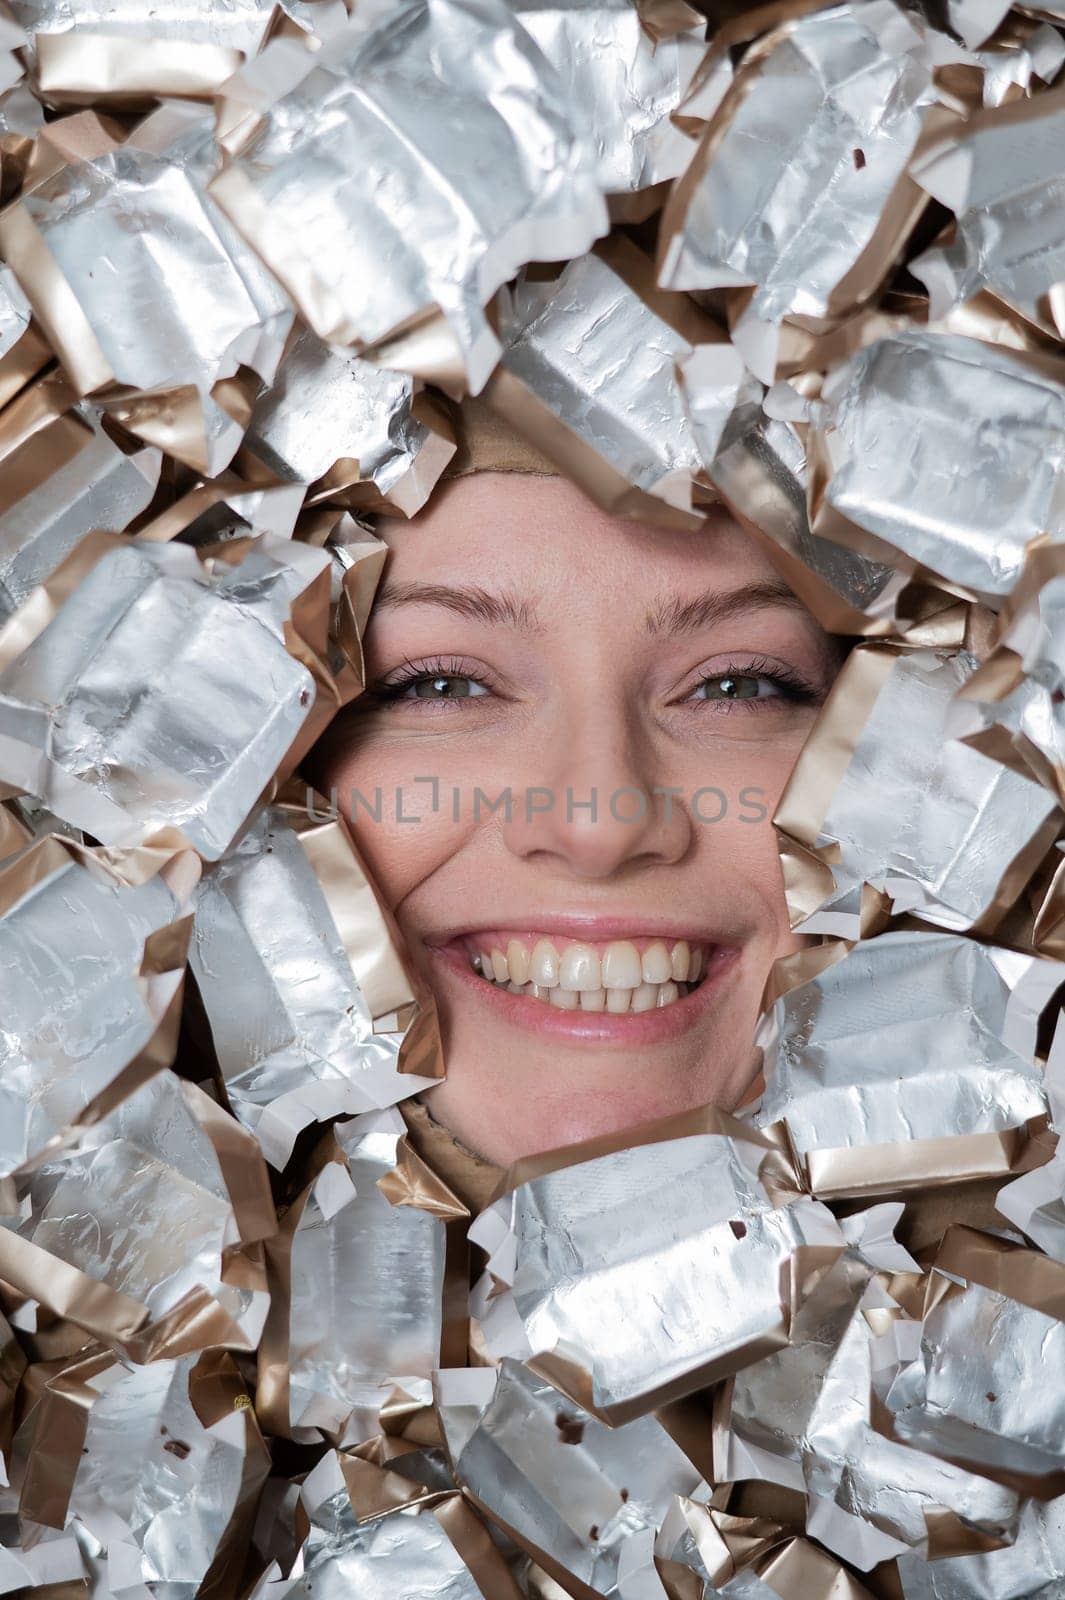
(590, 806)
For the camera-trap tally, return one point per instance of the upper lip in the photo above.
(584, 927)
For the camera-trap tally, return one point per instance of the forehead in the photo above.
(542, 533)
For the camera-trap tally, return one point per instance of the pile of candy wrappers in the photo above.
(805, 260)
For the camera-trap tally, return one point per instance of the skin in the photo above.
(583, 697)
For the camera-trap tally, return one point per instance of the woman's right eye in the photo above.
(424, 686)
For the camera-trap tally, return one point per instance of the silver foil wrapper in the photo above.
(292, 1026)
(936, 1081)
(628, 421)
(366, 1281)
(432, 1547)
(562, 1483)
(845, 93)
(898, 435)
(161, 694)
(693, 1282)
(357, 187)
(1003, 179)
(976, 1392)
(948, 833)
(79, 1034)
(100, 486)
(86, 1241)
(803, 1418)
(630, 79)
(1030, 1567)
(158, 1464)
(126, 325)
(238, 25)
(347, 428)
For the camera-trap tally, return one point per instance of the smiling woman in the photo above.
(578, 728)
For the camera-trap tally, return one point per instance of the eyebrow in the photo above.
(670, 615)
(468, 600)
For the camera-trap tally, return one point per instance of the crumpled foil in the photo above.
(694, 1287)
(949, 1082)
(804, 260)
(332, 178)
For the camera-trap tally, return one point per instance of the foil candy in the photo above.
(79, 1036)
(302, 180)
(112, 750)
(290, 1007)
(380, 1268)
(567, 1487)
(948, 833)
(949, 1083)
(707, 1238)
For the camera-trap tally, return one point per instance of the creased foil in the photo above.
(945, 831)
(1032, 1567)
(112, 202)
(992, 1326)
(78, 1036)
(365, 1279)
(290, 1005)
(845, 93)
(694, 1286)
(347, 428)
(85, 1240)
(161, 1464)
(433, 1546)
(166, 689)
(327, 186)
(620, 428)
(899, 428)
(936, 1082)
(803, 1418)
(1002, 178)
(567, 1487)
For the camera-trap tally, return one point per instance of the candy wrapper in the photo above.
(304, 174)
(948, 1086)
(118, 742)
(83, 1238)
(621, 430)
(992, 1324)
(80, 1037)
(572, 1491)
(301, 1040)
(124, 1453)
(574, 1259)
(430, 1544)
(948, 833)
(380, 1255)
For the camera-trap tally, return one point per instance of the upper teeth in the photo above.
(583, 968)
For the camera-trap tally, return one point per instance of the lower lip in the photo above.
(592, 1027)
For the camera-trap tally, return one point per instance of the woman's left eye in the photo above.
(732, 686)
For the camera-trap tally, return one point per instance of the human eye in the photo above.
(755, 685)
(442, 681)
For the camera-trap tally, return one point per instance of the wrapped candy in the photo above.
(364, 1277)
(305, 173)
(696, 1286)
(110, 750)
(948, 833)
(125, 1452)
(911, 1114)
(80, 1037)
(1031, 1567)
(569, 1489)
(83, 1238)
(299, 1040)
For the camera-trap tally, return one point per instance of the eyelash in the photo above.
(791, 685)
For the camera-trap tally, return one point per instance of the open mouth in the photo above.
(614, 976)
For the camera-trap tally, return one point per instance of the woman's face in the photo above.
(522, 640)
